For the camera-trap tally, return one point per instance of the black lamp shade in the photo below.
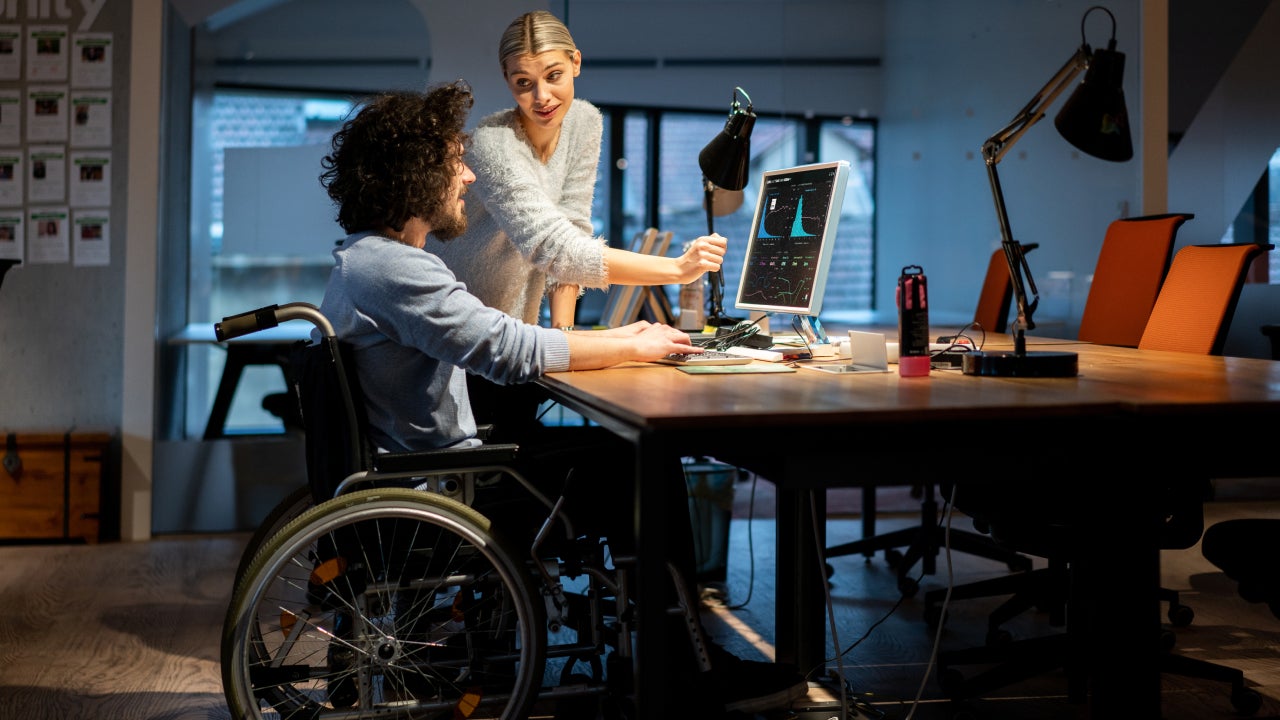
(725, 161)
(1095, 118)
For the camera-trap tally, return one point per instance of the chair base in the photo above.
(923, 543)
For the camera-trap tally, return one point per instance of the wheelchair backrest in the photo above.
(333, 414)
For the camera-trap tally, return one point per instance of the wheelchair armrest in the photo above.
(446, 458)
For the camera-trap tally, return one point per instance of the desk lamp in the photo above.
(1094, 119)
(725, 162)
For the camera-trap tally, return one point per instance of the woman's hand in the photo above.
(705, 254)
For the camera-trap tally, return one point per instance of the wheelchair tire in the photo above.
(286, 510)
(384, 603)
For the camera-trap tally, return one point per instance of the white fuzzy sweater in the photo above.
(529, 223)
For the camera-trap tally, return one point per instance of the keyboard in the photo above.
(709, 357)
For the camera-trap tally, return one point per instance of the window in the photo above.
(662, 187)
(243, 254)
(647, 177)
(1259, 221)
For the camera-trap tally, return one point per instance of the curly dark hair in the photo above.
(395, 159)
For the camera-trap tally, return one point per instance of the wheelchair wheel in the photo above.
(289, 508)
(384, 603)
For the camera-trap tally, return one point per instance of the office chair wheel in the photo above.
(892, 558)
(1246, 701)
(443, 617)
(1168, 639)
(1180, 615)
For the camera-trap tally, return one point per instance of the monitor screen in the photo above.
(792, 238)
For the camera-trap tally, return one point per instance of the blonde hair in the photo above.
(532, 34)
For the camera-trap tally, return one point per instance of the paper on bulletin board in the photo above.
(47, 111)
(90, 118)
(12, 241)
(91, 60)
(47, 235)
(90, 179)
(47, 173)
(10, 116)
(13, 168)
(47, 53)
(10, 52)
(91, 237)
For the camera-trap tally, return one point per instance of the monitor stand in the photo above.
(810, 329)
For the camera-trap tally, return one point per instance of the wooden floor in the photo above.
(130, 630)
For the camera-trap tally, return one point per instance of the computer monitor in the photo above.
(792, 239)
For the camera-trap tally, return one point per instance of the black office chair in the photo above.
(1192, 313)
(1245, 550)
(923, 542)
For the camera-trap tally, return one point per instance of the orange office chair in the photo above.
(1192, 313)
(996, 297)
(1127, 277)
(923, 542)
(1194, 309)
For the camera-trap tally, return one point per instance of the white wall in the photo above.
(954, 74)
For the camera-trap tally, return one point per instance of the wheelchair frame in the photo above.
(396, 598)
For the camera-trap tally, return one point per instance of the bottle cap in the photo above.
(913, 365)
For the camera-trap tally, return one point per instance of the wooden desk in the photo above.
(1085, 435)
(265, 347)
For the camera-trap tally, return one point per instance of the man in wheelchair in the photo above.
(396, 173)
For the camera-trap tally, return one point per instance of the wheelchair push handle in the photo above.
(270, 316)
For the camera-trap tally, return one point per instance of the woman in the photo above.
(530, 231)
(529, 223)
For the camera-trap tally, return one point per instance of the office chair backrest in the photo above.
(996, 298)
(333, 415)
(1194, 309)
(1131, 267)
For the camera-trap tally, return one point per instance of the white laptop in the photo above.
(867, 353)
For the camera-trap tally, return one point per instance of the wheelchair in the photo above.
(397, 585)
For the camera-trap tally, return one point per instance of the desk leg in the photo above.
(799, 621)
(652, 651)
(232, 368)
(1120, 577)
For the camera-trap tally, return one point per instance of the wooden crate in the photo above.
(52, 484)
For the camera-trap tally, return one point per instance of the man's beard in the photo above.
(448, 226)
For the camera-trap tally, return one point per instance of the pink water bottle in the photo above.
(913, 322)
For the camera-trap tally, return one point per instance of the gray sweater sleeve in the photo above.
(544, 210)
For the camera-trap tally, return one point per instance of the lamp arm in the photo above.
(999, 143)
(992, 151)
(1019, 271)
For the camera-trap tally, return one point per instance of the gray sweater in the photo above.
(529, 223)
(415, 329)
